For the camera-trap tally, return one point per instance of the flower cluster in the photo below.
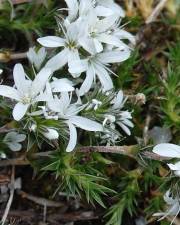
(88, 40)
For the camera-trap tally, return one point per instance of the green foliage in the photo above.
(94, 176)
(125, 71)
(77, 178)
(128, 199)
(171, 104)
(27, 18)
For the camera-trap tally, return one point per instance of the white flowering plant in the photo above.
(83, 107)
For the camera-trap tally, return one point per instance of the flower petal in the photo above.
(87, 44)
(118, 101)
(111, 40)
(86, 124)
(98, 45)
(104, 78)
(40, 81)
(72, 8)
(58, 61)
(114, 56)
(167, 150)
(15, 147)
(85, 87)
(51, 41)
(124, 128)
(20, 137)
(19, 78)
(9, 92)
(19, 111)
(77, 66)
(122, 34)
(62, 85)
(51, 134)
(72, 138)
(175, 166)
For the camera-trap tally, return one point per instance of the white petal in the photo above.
(86, 124)
(128, 123)
(106, 23)
(51, 134)
(104, 78)
(85, 7)
(51, 41)
(62, 85)
(72, 138)
(73, 55)
(118, 101)
(15, 147)
(114, 56)
(87, 44)
(20, 137)
(73, 8)
(86, 86)
(111, 40)
(19, 78)
(122, 34)
(175, 166)
(103, 11)
(40, 81)
(58, 61)
(19, 111)
(77, 66)
(167, 150)
(98, 45)
(125, 128)
(9, 92)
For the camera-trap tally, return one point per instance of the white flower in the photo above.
(98, 32)
(175, 168)
(173, 207)
(167, 150)
(97, 66)
(13, 139)
(103, 8)
(26, 92)
(51, 134)
(116, 116)
(1, 71)
(69, 44)
(123, 118)
(36, 58)
(68, 113)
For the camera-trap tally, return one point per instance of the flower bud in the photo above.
(51, 134)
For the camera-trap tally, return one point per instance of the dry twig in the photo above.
(14, 162)
(39, 200)
(156, 11)
(12, 188)
(131, 151)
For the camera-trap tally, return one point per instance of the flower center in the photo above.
(26, 99)
(71, 44)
